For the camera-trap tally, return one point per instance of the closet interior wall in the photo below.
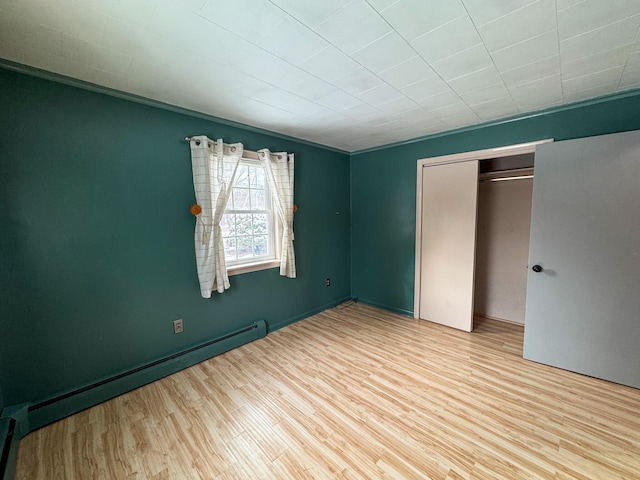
(502, 240)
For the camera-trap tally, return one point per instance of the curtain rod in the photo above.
(249, 154)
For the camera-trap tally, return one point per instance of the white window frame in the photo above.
(239, 266)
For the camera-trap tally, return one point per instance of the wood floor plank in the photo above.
(354, 393)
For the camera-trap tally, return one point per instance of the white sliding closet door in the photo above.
(449, 209)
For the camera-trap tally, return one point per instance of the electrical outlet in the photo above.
(328, 282)
(178, 327)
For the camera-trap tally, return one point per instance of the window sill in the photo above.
(252, 267)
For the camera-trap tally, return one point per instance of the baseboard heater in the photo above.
(64, 404)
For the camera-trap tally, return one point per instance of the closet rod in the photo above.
(506, 175)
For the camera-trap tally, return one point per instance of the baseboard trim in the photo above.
(63, 404)
(497, 319)
(400, 311)
(277, 326)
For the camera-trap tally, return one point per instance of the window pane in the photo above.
(228, 225)
(258, 179)
(257, 200)
(241, 199)
(260, 224)
(243, 224)
(245, 247)
(228, 168)
(230, 248)
(242, 176)
(260, 245)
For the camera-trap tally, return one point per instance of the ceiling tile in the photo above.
(485, 11)
(439, 100)
(462, 63)
(83, 24)
(519, 25)
(413, 18)
(417, 114)
(593, 80)
(357, 81)
(233, 16)
(476, 80)
(170, 19)
(329, 64)
(313, 88)
(630, 79)
(354, 27)
(279, 73)
(496, 108)
(31, 36)
(633, 61)
(527, 52)
(133, 11)
(398, 106)
(592, 14)
(362, 110)
(380, 94)
(191, 5)
(122, 36)
(381, 5)
(63, 16)
(461, 120)
(604, 38)
(485, 94)
(453, 110)
(158, 50)
(451, 38)
(597, 91)
(562, 4)
(408, 72)
(286, 101)
(375, 119)
(322, 117)
(338, 101)
(384, 53)
(546, 67)
(595, 63)
(423, 129)
(234, 51)
(156, 76)
(539, 94)
(311, 14)
(425, 88)
(94, 55)
(292, 41)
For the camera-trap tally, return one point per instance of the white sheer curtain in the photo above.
(214, 169)
(279, 171)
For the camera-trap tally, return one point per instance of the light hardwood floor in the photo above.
(354, 392)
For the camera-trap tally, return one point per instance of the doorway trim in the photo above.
(497, 152)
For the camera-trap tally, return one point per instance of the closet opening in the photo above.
(505, 189)
(446, 235)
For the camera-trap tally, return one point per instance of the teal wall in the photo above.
(383, 190)
(96, 250)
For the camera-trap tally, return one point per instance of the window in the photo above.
(249, 226)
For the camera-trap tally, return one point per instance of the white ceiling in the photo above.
(350, 74)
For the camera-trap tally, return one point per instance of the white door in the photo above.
(449, 208)
(583, 298)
